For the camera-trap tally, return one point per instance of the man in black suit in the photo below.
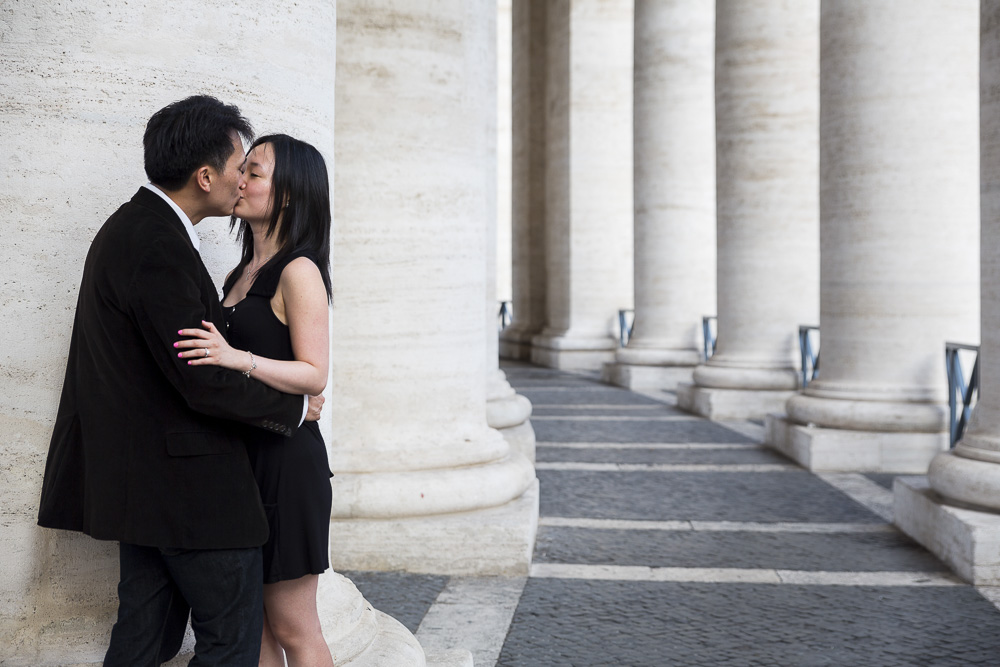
(143, 450)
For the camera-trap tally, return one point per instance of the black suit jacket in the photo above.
(142, 450)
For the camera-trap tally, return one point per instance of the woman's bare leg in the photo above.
(291, 614)
(271, 654)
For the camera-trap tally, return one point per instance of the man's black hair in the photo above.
(190, 133)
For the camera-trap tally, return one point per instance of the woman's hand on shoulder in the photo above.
(208, 347)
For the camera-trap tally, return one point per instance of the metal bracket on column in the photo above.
(626, 320)
(809, 353)
(506, 314)
(709, 327)
(958, 389)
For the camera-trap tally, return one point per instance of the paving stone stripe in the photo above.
(613, 418)
(863, 491)
(472, 613)
(596, 406)
(654, 445)
(560, 387)
(670, 467)
(717, 526)
(740, 575)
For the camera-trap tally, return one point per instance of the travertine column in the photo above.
(588, 216)
(504, 147)
(767, 161)
(957, 516)
(422, 483)
(900, 218)
(506, 410)
(80, 81)
(528, 271)
(674, 172)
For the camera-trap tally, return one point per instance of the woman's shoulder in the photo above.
(300, 271)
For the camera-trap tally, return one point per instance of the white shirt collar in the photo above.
(186, 221)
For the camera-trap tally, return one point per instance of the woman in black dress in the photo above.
(276, 302)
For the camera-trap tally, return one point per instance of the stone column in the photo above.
(506, 410)
(80, 81)
(957, 515)
(767, 108)
(505, 45)
(674, 174)
(588, 180)
(422, 483)
(528, 271)
(900, 217)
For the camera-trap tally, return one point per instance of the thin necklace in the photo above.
(252, 272)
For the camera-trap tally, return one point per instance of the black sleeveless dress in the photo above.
(293, 474)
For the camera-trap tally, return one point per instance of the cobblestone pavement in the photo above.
(666, 539)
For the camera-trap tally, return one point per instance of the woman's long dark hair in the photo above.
(300, 180)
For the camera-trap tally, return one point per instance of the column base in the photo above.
(572, 353)
(494, 541)
(521, 438)
(968, 541)
(718, 404)
(635, 376)
(358, 635)
(836, 450)
(571, 360)
(511, 410)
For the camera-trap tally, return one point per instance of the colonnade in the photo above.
(829, 178)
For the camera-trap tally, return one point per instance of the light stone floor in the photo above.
(666, 539)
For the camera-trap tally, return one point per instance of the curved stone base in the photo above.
(508, 411)
(717, 374)
(721, 404)
(496, 541)
(975, 483)
(521, 438)
(389, 495)
(864, 415)
(968, 541)
(358, 635)
(838, 450)
(634, 376)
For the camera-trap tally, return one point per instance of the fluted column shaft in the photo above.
(767, 107)
(588, 214)
(414, 195)
(971, 472)
(674, 191)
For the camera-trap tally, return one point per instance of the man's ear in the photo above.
(203, 177)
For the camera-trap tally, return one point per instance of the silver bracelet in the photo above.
(253, 364)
